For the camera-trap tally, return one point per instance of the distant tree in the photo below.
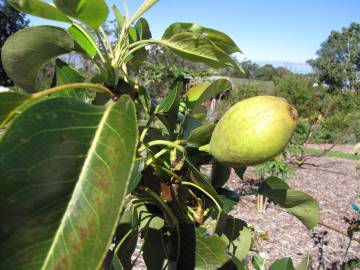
(10, 22)
(338, 60)
(162, 68)
(250, 69)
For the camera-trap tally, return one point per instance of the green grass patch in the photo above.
(337, 154)
(266, 87)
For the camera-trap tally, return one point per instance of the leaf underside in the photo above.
(25, 52)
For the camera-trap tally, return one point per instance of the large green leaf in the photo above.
(298, 203)
(64, 171)
(91, 12)
(39, 8)
(210, 250)
(221, 40)
(25, 52)
(9, 101)
(198, 48)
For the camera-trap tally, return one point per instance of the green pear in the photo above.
(253, 131)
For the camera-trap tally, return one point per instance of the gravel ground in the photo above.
(334, 183)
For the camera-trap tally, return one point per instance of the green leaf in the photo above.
(136, 174)
(146, 5)
(219, 175)
(305, 264)
(202, 182)
(298, 203)
(64, 169)
(119, 17)
(40, 9)
(167, 111)
(143, 29)
(198, 48)
(154, 258)
(91, 12)
(25, 52)
(65, 74)
(203, 92)
(169, 101)
(228, 198)
(221, 40)
(258, 262)
(282, 264)
(9, 101)
(239, 236)
(201, 135)
(127, 235)
(209, 250)
(84, 39)
(132, 35)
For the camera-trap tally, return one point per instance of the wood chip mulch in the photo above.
(335, 184)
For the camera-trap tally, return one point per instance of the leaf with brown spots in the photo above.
(62, 183)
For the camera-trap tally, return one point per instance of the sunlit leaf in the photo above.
(198, 48)
(239, 235)
(205, 91)
(39, 8)
(84, 39)
(91, 12)
(146, 5)
(221, 40)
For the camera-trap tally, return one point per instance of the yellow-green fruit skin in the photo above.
(253, 131)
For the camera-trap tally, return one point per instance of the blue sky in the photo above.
(266, 30)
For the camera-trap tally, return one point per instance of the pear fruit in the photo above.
(253, 131)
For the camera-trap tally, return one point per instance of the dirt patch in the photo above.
(346, 148)
(334, 183)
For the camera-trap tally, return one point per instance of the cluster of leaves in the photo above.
(278, 167)
(83, 176)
